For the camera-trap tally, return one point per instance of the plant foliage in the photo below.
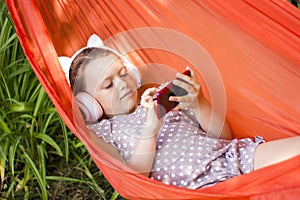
(39, 157)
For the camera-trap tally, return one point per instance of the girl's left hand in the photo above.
(150, 105)
(193, 89)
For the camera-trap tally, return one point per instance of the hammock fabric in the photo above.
(254, 44)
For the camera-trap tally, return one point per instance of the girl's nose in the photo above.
(121, 83)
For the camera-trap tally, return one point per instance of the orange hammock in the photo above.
(254, 44)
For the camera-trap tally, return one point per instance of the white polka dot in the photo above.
(194, 176)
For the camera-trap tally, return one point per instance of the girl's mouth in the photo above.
(127, 94)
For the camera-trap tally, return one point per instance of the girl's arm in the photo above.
(142, 158)
(108, 148)
(219, 128)
(196, 101)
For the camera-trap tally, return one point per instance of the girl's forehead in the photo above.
(103, 66)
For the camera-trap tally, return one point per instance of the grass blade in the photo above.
(4, 149)
(37, 175)
(50, 141)
(42, 162)
(12, 153)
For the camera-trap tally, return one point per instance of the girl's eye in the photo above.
(124, 75)
(124, 72)
(108, 85)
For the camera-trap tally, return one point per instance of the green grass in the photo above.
(39, 157)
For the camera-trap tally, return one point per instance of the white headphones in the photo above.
(88, 105)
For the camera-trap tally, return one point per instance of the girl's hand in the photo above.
(147, 102)
(193, 89)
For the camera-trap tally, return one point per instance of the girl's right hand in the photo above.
(147, 102)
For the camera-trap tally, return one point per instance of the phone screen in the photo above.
(163, 103)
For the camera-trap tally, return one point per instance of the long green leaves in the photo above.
(27, 117)
(39, 157)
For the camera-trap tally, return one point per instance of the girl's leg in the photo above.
(272, 152)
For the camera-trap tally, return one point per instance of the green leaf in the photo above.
(3, 159)
(42, 162)
(12, 153)
(37, 175)
(61, 178)
(22, 107)
(66, 140)
(50, 141)
(115, 195)
(39, 102)
(4, 126)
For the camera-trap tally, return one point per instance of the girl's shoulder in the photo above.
(106, 124)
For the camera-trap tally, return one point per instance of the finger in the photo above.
(150, 92)
(189, 88)
(183, 77)
(145, 102)
(182, 99)
(193, 75)
(189, 81)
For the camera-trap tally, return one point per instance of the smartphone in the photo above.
(162, 96)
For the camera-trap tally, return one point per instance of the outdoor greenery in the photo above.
(39, 157)
(295, 3)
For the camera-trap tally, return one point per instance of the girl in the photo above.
(178, 149)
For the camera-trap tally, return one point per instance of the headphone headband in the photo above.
(95, 41)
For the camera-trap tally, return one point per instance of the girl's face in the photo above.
(108, 80)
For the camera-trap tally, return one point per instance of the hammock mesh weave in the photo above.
(254, 44)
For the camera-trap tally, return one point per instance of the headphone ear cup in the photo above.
(89, 107)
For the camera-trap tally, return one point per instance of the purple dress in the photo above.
(185, 156)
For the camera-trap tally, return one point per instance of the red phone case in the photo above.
(163, 103)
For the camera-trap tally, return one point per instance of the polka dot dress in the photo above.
(186, 156)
